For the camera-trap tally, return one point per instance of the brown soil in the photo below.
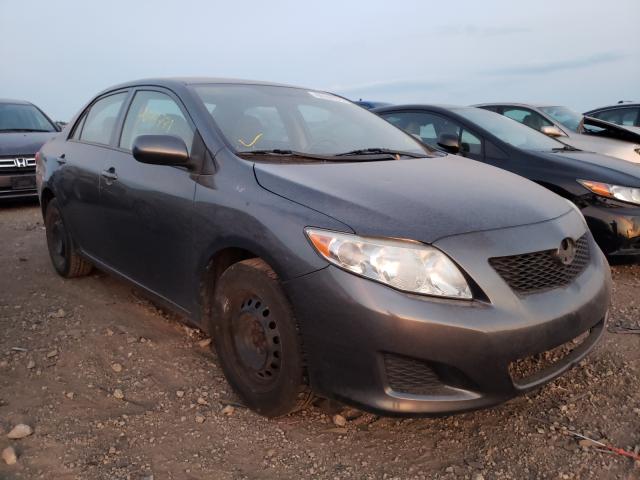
(60, 340)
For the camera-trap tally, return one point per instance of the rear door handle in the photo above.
(61, 159)
(110, 175)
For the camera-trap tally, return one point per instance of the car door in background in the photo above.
(148, 208)
(81, 160)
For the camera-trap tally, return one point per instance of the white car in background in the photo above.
(574, 129)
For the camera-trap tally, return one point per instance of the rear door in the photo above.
(81, 160)
(148, 208)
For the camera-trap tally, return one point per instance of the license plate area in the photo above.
(25, 182)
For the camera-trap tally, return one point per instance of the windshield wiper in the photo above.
(380, 151)
(23, 130)
(286, 153)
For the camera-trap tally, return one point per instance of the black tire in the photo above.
(256, 337)
(62, 251)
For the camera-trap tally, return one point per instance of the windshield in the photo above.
(509, 131)
(23, 118)
(256, 118)
(565, 116)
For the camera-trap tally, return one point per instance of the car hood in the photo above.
(423, 199)
(23, 143)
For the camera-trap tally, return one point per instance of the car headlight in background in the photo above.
(403, 264)
(625, 194)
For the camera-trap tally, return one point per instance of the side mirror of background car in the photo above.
(160, 150)
(60, 125)
(552, 131)
(449, 142)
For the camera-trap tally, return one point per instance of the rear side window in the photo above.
(620, 116)
(155, 113)
(101, 119)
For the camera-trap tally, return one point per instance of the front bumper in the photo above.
(616, 228)
(359, 335)
(18, 184)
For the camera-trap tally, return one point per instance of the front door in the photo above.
(148, 208)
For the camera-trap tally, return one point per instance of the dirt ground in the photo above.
(70, 348)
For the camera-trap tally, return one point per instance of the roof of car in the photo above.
(623, 104)
(172, 81)
(14, 102)
(420, 106)
(518, 104)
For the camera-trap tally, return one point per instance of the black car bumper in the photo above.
(18, 184)
(395, 353)
(616, 228)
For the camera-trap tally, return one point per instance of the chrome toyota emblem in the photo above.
(566, 253)
(21, 162)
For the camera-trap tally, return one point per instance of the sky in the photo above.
(583, 54)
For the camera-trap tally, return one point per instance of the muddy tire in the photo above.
(62, 251)
(256, 337)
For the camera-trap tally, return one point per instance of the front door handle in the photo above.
(109, 175)
(61, 159)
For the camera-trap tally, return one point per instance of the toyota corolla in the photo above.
(326, 251)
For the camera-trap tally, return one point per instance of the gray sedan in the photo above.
(572, 128)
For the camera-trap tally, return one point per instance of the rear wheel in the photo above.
(62, 251)
(257, 340)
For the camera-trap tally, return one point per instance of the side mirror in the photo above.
(449, 142)
(60, 125)
(552, 131)
(161, 150)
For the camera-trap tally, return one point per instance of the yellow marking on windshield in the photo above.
(252, 143)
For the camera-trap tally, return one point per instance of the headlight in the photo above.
(402, 264)
(626, 194)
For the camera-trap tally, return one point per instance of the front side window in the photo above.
(101, 119)
(527, 117)
(16, 117)
(429, 127)
(155, 113)
(262, 117)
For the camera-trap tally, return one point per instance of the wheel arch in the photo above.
(45, 198)
(212, 267)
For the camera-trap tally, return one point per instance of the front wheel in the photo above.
(62, 251)
(257, 340)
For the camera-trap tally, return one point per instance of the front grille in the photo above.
(410, 375)
(538, 271)
(17, 162)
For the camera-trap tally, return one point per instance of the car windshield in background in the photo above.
(23, 118)
(297, 122)
(565, 116)
(510, 131)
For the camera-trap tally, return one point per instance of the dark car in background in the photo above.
(606, 189)
(586, 133)
(23, 130)
(368, 104)
(623, 113)
(325, 250)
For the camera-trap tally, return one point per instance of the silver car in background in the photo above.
(585, 133)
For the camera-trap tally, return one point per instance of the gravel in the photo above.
(172, 379)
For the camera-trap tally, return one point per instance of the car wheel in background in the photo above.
(257, 340)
